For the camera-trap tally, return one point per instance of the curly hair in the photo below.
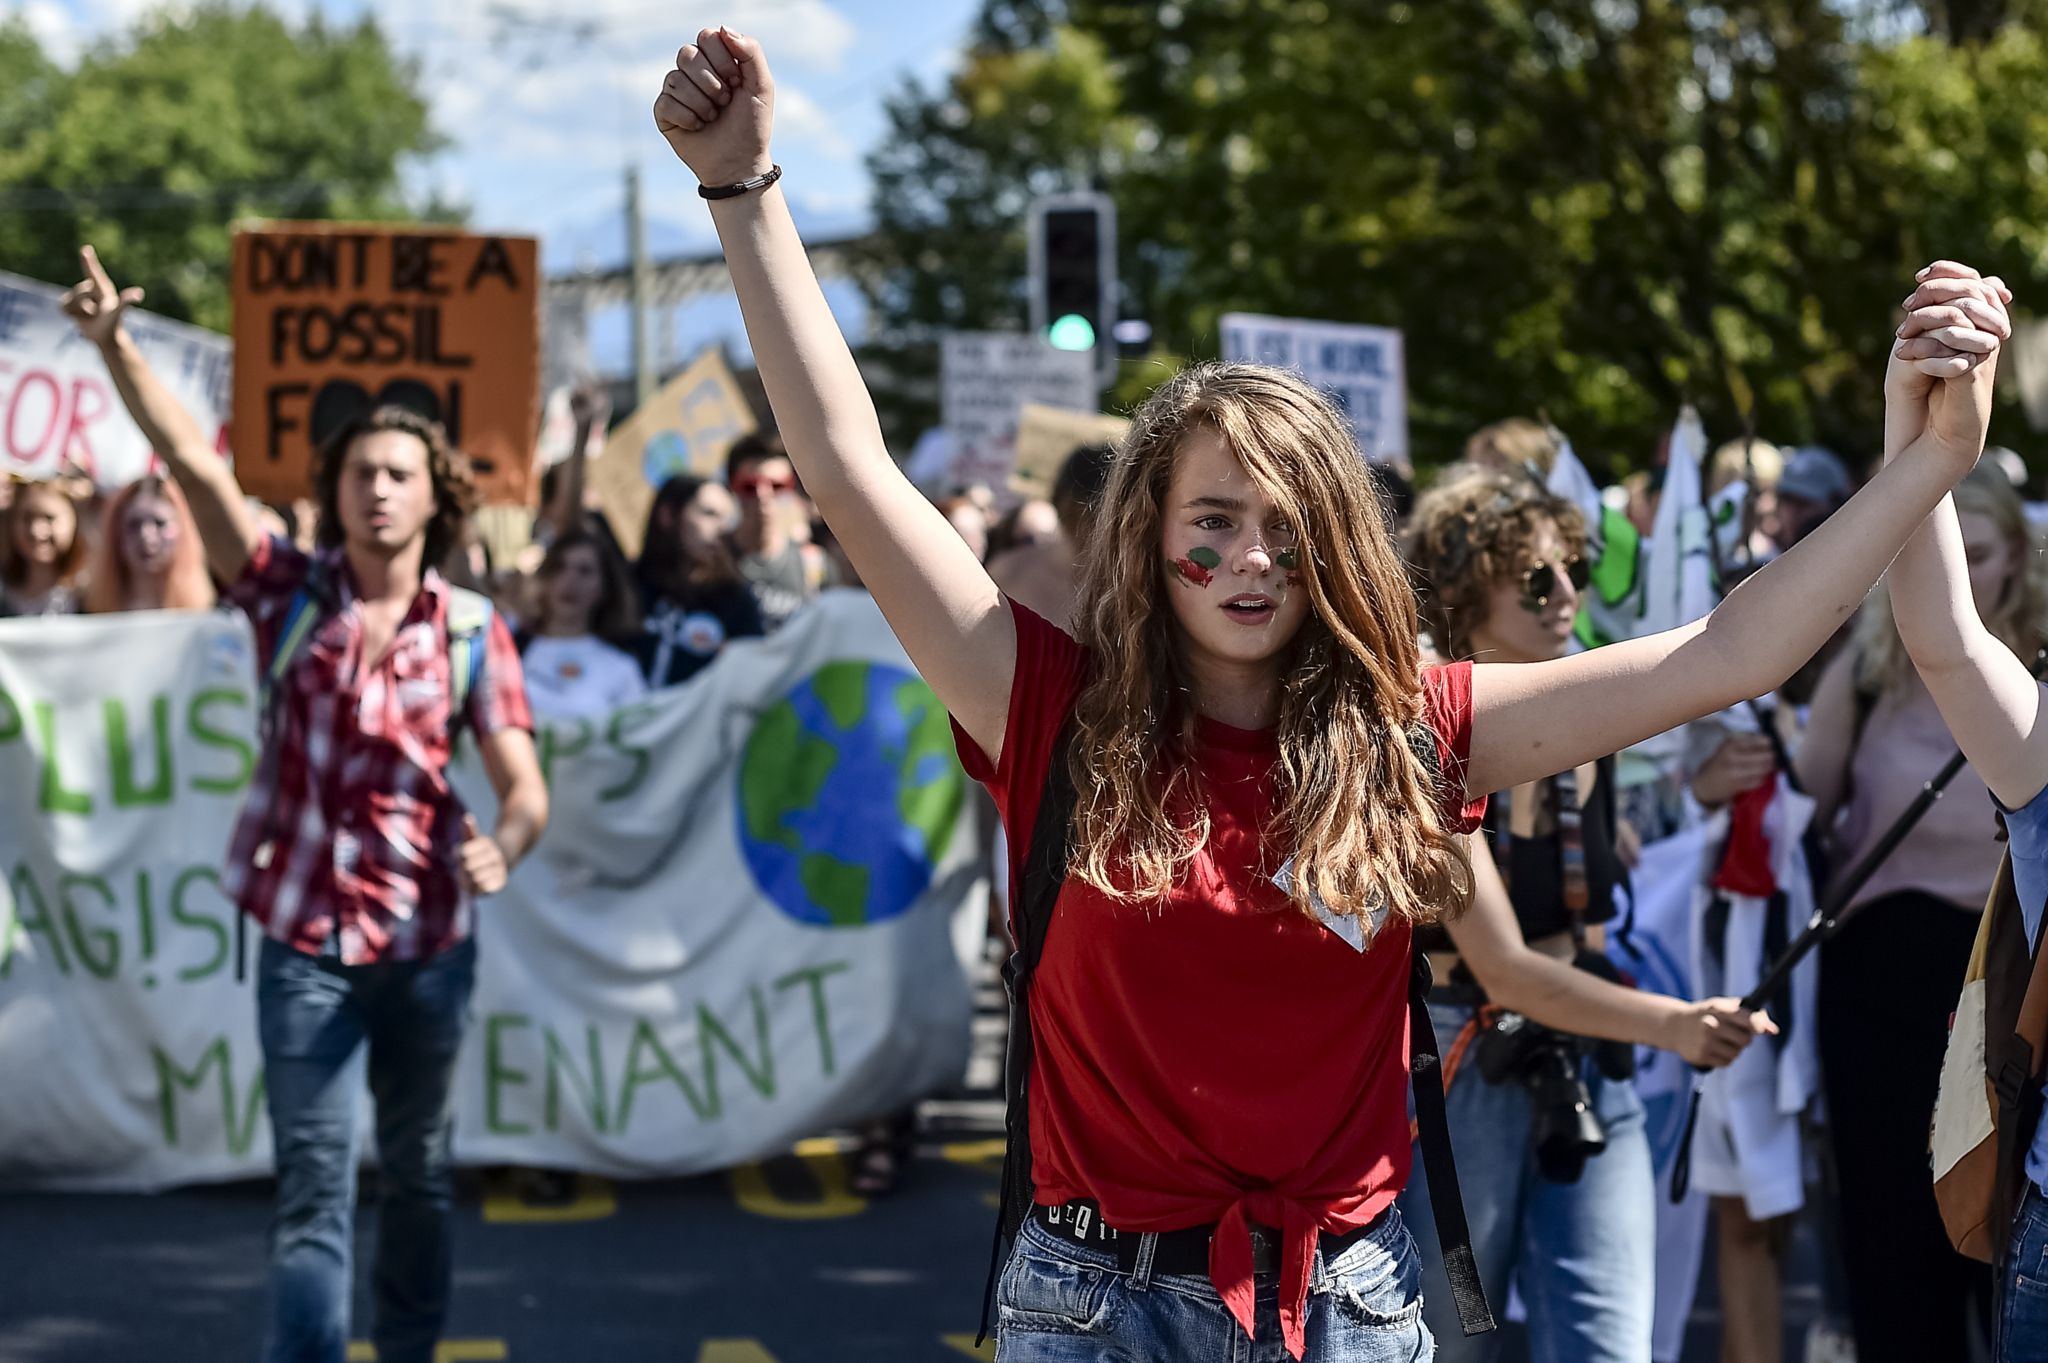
(454, 483)
(1473, 532)
(186, 584)
(1358, 810)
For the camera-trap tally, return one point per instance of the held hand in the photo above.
(94, 304)
(483, 862)
(717, 107)
(1938, 385)
(1739, 764)
(1711, 1033)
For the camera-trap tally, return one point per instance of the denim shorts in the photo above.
(1060, 1302)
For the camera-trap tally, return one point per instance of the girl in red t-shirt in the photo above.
(1218, 1016)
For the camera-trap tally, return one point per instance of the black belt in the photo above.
(1184, 1251)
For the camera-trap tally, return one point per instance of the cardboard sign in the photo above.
(686, 427)
(333, 320)
(1361, 367)
(985, 378)
(59, 408)
(1047, 435)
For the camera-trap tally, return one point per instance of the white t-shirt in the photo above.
(576, 678)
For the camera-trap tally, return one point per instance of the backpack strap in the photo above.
(469, 619)
(1045, 869)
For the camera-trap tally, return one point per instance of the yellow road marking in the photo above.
(504, 1205)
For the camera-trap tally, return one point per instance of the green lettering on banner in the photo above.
(145, 915)
(127, 794)
(56, 799)
(553, 744)
(170, 1078)
(644, 1039)
(205, 733)
(10, 717)
(615, 734)
(25, 890)
(710, 1030)
(102, 967)
(497, 1073)
(589, 1088)
(815, 977)
(183, 918)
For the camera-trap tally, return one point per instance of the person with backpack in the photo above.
(1989, 1188)
(1535, 1023)
(353, 852)
(1256, 791)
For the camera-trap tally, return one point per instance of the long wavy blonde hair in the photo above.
(1355, 806)
(2019, 619)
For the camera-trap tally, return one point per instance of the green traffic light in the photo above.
(1071, 332)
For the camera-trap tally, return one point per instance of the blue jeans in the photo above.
(323, 1025)
(1060, 1302)
(2023, 1315)
(1584, 1253)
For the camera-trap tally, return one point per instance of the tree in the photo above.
(1600, 208)
(161, 138)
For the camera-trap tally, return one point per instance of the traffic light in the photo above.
(1073, 273)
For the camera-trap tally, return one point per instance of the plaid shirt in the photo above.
(351, 827)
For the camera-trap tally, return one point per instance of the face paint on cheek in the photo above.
(1198, 569)
(1289, 562)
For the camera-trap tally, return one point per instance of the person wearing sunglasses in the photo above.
(782, 568)
(1520, 990)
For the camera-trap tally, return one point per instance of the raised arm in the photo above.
(1533, 719)
(1709, 1034)
(1988, 697)
(226, 526)
(716, 110)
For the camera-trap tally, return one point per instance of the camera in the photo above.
(1550, 1066)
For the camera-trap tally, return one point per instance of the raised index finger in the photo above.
(94, 271)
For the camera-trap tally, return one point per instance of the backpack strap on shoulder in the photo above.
(469, 621)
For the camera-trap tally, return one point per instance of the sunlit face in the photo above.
(575, 589)
(1229, 558)
(705, 521)
(1037, 523)
(1991, 558)
(1519, 628)
(766, 492)
(149, 536)
(44, 524)
(387, 491)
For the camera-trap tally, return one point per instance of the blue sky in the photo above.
(544, 105)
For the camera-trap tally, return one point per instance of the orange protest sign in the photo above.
(331, 320)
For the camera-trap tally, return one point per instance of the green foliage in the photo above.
(162, 137)
(1599, 208)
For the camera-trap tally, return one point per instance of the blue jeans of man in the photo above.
(1061, 1302)
(2023, 1315)
(1583, 1253)
(324, 1026)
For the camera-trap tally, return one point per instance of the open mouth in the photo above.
(1249, 608)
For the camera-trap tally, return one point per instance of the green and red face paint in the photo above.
(1198, 569)
(1289, 562)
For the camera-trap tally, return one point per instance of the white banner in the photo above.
(746, 923)
(985, 378)
(1362, 367)
(56, 403)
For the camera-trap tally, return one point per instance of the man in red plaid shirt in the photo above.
(353, 851)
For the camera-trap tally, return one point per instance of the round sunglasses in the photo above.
(1539, 584)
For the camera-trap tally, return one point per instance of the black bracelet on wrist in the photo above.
(735, 190)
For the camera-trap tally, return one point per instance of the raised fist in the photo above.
(1939, 380)
(94, 304)
(717, 107)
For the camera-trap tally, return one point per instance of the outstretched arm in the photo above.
(716, 110)
(1987, 696)
(1532, 719)
(1709, 1034)
(225, 524)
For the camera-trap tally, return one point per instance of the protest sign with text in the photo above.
(57, 405)
(332, 320)
(1361, 367)
(985, 378)
(745, 925)
(1046, 436)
